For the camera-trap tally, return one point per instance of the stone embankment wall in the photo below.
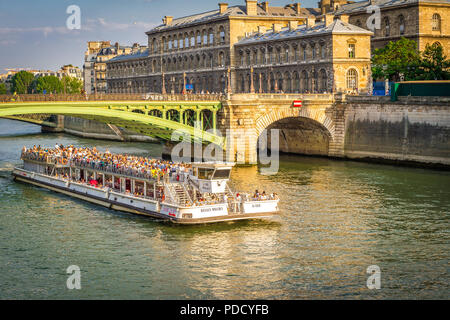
(96, 130)
(413, 129)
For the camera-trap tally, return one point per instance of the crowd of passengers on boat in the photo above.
(91, 158)
(128, 165)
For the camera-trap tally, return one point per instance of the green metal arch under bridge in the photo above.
(158, 119)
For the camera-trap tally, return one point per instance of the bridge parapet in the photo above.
(110, 97)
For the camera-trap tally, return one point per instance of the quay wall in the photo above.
(97, 130)
(412, 129)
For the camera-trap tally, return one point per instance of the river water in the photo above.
(338, 218)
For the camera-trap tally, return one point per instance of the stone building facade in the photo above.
(95, 57)
(198, 50)
(424, 21)
(328, 56)
(215, 51)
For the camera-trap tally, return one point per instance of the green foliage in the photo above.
(3, 88)
(434, 64)
(50, 84)
(71, 85)
(396, 59)
(401, 58)
(22, 81)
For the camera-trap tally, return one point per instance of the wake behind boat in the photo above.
(185, 193)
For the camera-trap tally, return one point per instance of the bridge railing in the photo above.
(282, 96)
(110, 97)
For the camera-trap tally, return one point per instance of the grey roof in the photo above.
(123, 57)
(337, 27)
(362, 5)
(286, 11)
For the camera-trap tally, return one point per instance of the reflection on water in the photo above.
(337, 218)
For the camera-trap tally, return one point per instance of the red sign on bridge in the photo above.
(297, 104)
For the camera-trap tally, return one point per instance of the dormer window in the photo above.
(351, 50)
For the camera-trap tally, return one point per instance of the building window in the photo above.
(186, 42)
(352, 79)
(192, 41)
(211, 38)
(199, 39)
(287, 55)
(205, 39)
(401, 24)
(181, 43)
(222, 35)
(351, 50)
(386, 27)
(313, 51)
(436, 22)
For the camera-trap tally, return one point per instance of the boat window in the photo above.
(205, 174)
(222, 174)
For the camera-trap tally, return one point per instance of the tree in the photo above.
(50, 84)
(3, 88)
(21, 82)
(434, 65)
(396, 59)
(71, 85)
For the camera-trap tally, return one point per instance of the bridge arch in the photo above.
(319, 116)
(301, 131)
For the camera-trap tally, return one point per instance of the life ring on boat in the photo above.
(64, 161)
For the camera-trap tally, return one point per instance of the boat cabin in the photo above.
(210, 177)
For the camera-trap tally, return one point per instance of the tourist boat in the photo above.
(197, 195)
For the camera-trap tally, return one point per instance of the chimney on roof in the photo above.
(277, 27)
(293, 25)
(297, 7)
(344, 18)
(328, 19)
(167, 20)
(223, 7)
(262, 29)
(265, 6)
(252, 6)
(310, 22)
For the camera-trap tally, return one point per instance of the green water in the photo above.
(337, 219)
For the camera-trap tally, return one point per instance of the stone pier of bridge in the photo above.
(317, 127)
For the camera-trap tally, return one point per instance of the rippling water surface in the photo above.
(337, 219)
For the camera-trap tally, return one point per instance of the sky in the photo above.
(33, 34)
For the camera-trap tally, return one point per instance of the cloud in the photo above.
(92, 25)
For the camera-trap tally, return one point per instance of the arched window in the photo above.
(436, 22)
(211, 37)
(222, 35)
(199, 39)
(352, 79)
(387, 27)
(221, 59)
(401, 24)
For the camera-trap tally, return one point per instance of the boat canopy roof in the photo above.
(213, 165)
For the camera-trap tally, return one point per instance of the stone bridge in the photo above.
(413, 130)
(315, 128)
